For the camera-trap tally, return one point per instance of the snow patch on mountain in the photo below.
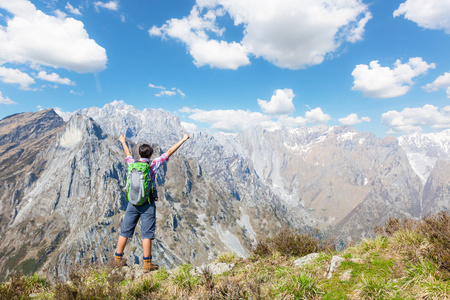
(347, 136)
(424, 149)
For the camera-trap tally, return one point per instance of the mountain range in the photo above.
(61, 180)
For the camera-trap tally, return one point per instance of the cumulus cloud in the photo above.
(53, 77)
(442, 82)
(376, 81)
(231, 120)
(32, 37)
(353, 119)
(8, 75)
(430, 14)
(317, 116)
(190, 127)
(165, 92)
(290, 34)
(280, 103)
(235, 121)
(193, 31)
(413, 119)
(5, 100)
(111, 5)
(72, 9)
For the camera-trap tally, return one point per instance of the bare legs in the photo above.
(146, 245)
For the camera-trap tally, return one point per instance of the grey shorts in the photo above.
(147, 214)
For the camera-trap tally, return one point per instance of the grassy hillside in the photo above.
(407, 260)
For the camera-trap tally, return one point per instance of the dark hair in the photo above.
(145, 151)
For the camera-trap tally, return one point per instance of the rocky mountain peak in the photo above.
(80, 128)
(32, 125)
(148, 125)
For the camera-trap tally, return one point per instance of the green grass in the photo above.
(397, 265)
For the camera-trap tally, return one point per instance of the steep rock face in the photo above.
(331, 171)
(436, 193)
(28, 126)
(23, 139)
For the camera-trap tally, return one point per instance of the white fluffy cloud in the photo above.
(231, 120)
(413, 119)
(430, 14)
(5, 100)
(353, 119)
(376, 81)
(290, 34)
(72, 9)
(317, 116)
(192, 30)
(8, 75)
(442, 82)
(111, 5)
(32, 37)
(189, 126)
(280, 103)
(235, 121)
(53, 77)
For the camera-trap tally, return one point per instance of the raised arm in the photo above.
(124, 145)
(177, 145)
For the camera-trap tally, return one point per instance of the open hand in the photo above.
(122, 138)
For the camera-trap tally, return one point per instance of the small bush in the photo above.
(394, 225)
(90, 282)
(437, 230)
(226, 258)
(20, 286)
(428, 238)
(291, 243)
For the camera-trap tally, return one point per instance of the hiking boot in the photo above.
(148, 266)
(120, 262)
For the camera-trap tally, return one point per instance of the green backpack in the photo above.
(139, 184)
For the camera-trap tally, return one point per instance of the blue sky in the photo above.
(226, 65)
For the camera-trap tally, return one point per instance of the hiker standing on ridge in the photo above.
(141, 191)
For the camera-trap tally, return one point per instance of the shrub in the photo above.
(437, 230)
(291, 243)
(394, 225)
(226, 257)
(428, 238)
(20, 286)
(91, 282)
